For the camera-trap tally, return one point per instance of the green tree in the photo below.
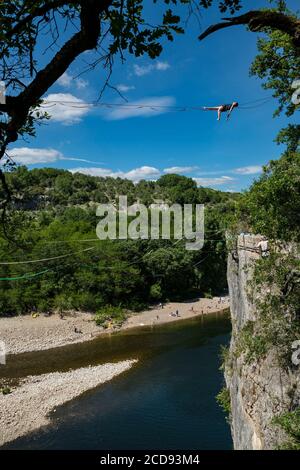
(272, 205)
(155, 291)
(290, 136)
(278, 64)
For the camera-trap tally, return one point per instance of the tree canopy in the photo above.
(278, 64)
(272, 205)
(57, 210)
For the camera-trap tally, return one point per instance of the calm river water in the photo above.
(167, 401)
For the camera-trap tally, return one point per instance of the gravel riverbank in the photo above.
(26, 333)
(28, 406)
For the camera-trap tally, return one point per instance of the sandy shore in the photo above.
(25, 333)
(159, 315)
(28, 406)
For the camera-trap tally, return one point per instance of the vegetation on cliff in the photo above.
(290, 423)
(271, 207)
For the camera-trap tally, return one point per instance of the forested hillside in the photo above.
(60, 220)
(51, 187)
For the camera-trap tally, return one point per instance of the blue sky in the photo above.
(100, 141)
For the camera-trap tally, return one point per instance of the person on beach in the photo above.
(223, 108)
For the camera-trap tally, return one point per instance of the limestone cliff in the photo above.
(262, 389)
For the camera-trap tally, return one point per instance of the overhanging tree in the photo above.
(109, 27)
(258, 21)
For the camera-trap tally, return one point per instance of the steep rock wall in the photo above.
(260, 390)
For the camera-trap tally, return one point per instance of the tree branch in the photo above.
(38, 11)
(19, 106)
(259, 20)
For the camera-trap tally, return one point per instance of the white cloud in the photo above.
(141, 70)
(144, 172)
(66, 81)
(148, 173)
(180, 169)
(137, 174)
(94, 171)
(136, 109)
(162, 66)
(65, 108)
(124, 88)
(30, 156)
(79, 160)
(213, 181)
(81, 83)
(248, 170)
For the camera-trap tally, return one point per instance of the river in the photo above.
(166, 401)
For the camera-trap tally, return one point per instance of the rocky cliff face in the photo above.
(262, 389)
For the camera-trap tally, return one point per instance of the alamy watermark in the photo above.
(2, 93)
(296, 353)
(2, 353)
(296, 344)
(158, 221)
(296, 94)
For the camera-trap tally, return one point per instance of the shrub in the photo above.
(155, 292)
(208, 295)
(224, 356)
(110, 315)
(290, 423)
(251, 343)
(223, 399)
